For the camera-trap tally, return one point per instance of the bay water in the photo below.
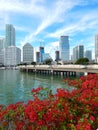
(16, 86)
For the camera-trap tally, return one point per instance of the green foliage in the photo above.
(82, 61)
(33, 63)
(48, 61)
(22, 64)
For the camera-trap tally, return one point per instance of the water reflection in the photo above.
(16, 86)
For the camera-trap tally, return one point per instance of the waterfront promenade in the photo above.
(68, 70)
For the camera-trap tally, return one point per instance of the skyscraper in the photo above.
(57, 56)
(2, 57)
(78, 52)
(75, 53)
(37, 57)
(88, 54)
(10, 35)
(64, 48)
(96, 48)
(41, 53)
(28, 53)
(2, 42)
(12, 56)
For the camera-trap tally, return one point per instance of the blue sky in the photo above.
(44, 21)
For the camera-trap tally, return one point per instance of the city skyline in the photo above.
(42, 22)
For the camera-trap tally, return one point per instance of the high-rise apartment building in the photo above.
(78, 52)
(96, 48)
(12, 56)
(75, 53)
(2, 42)
(10, 35)
(57, 56)
(37, 57)
(2, 57)
(41, 49)
(88, 54)
(64, 48)
(28, 53)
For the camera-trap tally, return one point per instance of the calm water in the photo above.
(16, 86)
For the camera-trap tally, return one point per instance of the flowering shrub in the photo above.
(75, 110)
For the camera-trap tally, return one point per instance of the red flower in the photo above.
(36, 90)
(92, 118)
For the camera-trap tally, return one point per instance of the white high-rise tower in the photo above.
(28, 53)
(10, 35)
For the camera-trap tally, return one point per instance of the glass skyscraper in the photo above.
(41, 53)
(57, 56)
(10, 35)
(96, 48)
(64, 48)
(37, 57)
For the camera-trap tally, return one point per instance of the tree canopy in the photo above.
(33, 63)
(82, 61)
(48, 61)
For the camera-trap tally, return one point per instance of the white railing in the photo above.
(62, 66)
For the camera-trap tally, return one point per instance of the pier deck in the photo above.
(60, 69)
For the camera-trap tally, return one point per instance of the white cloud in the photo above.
(55, 14)
(29, 7)
(52, 15)
(22, 28)
(87, 21)
(16, 7)
(28, 38)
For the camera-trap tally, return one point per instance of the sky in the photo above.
(42, 22)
